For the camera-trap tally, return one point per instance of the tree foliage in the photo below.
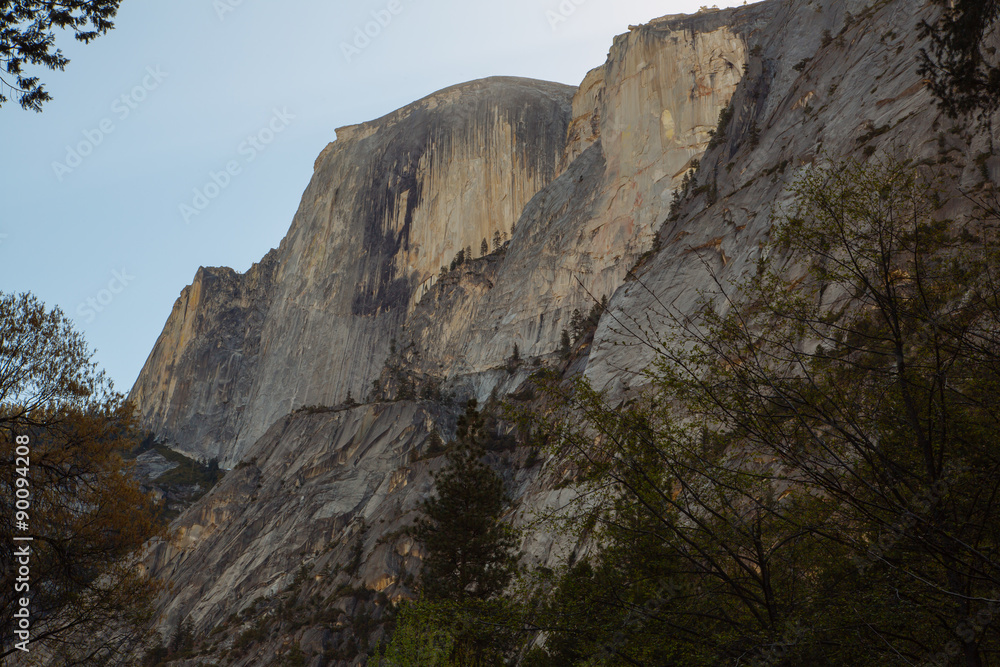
(812, 476)
(469, 547)
(90, 601)
(962, 67)
(564, 345)
(444, 633)
(469, 561)
(27, 37)
(424, 636)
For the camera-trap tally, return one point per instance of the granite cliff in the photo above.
(390, 202)
(355, 302)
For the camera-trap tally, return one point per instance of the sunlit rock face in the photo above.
(638, 123)
(578, 179)
(581, 182)
(390, 202)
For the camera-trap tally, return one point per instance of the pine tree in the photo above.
(497, 240)
(406, 390)
(513, 361)
(469, 549)
(182, 643)
(484, 248)
(576, 324)
(212, 471)
(435, 443)
(564, 345)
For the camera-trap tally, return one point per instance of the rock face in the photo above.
(582, 183)
(838, 81)
(638, 124)
(197, 380)
(390, 202)
(293, 503)
(579, 180)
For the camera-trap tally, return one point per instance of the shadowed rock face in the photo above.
(197, 379)
(819, 87)
(293, 503)
(390, 202)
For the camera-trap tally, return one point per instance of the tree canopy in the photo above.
(63, 430)
(812, 477)
(28, 37)
(460, 617)
(962, 67)
(468, 545)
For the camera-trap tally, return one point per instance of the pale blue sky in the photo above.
(181, 85)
